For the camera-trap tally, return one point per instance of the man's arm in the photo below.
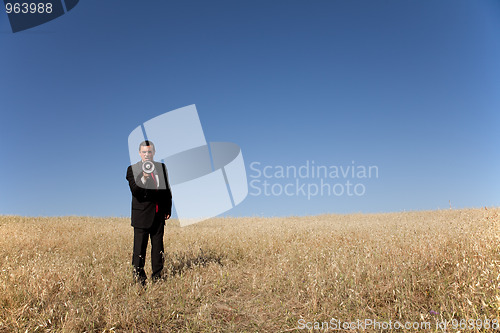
(140, 192)
(168, 194)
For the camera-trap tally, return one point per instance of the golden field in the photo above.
(73, 274)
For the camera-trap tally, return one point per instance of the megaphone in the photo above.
(148, 167)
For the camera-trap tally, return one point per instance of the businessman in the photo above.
(151, 206)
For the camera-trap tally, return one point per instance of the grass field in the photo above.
(73, 274)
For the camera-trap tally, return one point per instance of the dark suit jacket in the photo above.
(145, 197)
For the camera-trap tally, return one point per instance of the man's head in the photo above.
(147, 150)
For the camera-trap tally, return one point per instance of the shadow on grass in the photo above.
(179, 262)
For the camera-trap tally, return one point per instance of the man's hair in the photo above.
(147, 143)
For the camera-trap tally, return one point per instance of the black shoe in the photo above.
(140, 281)
(140, 276)
(157, 278)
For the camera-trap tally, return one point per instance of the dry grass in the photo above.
(73, 274)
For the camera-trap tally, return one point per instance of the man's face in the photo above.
(147, 153)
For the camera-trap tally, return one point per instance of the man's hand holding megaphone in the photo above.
(148, 167)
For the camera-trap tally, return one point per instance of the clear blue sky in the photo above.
(409, 86)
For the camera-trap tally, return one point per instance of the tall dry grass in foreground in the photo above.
(73, 274)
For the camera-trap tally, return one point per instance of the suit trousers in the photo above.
(155, 232)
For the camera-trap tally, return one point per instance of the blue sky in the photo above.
(409, 86)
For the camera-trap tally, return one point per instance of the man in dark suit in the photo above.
(151, 206)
